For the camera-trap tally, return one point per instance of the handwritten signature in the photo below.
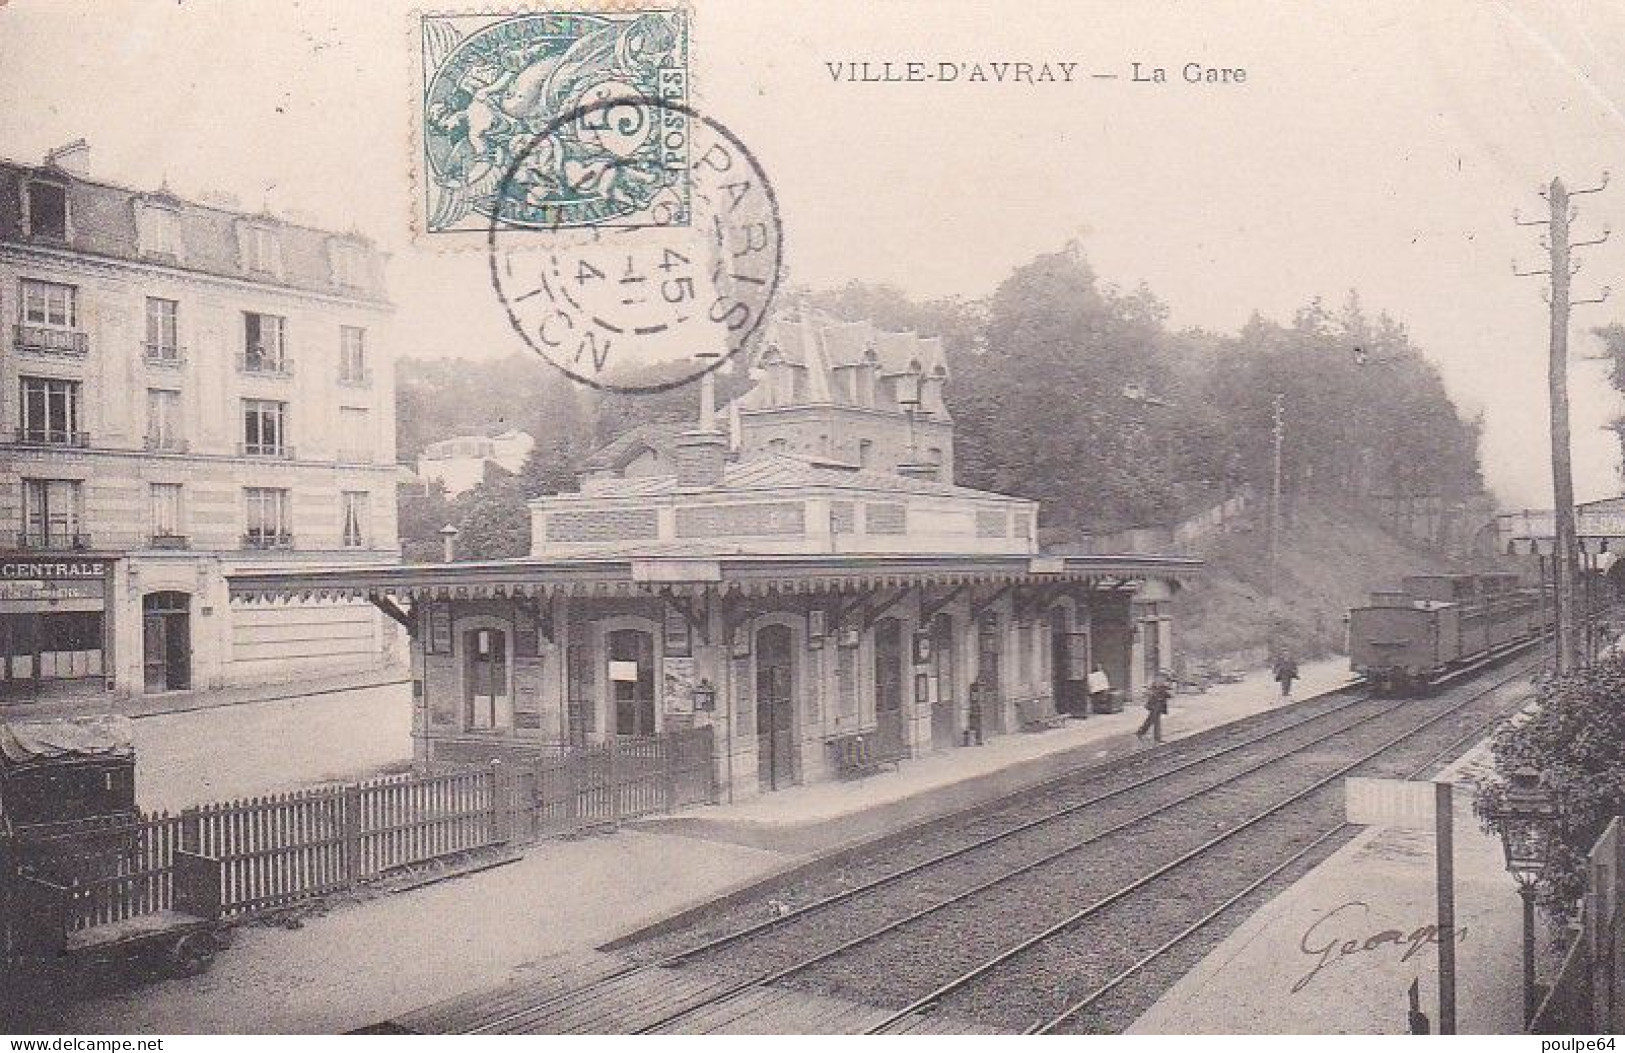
(1323, 941)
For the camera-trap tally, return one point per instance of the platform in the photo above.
(1280, 971)
(824, 816)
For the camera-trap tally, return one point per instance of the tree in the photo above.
(1576, 740)
(421, 512)
(493, 518)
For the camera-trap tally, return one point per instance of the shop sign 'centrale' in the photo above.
(47, 569)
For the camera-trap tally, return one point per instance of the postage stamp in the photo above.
(642, 307)
(493, 88)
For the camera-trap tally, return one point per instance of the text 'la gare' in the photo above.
(1190, 73)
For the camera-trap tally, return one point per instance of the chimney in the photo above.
(73, 158)
(700, 456)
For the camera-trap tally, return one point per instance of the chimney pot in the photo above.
(701, 456)
(73, 158)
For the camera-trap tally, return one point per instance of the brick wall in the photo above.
(615, 524)
(743, 520)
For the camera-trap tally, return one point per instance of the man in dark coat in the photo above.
(1286, 671)
(1156, 704)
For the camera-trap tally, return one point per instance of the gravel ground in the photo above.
(932, 841)
(890, 970)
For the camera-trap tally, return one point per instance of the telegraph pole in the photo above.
(1565, 564)
(1278, 434)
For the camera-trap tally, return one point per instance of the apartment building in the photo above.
(186, 391)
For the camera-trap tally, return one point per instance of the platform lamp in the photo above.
(1526, 818)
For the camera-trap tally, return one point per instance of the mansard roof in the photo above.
(103, 222)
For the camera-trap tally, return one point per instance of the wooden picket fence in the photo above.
(276, 850)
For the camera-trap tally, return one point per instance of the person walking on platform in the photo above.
(1156, 704)
(1286, 671)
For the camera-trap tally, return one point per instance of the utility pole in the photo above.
(1565, 569)
(1278, 433)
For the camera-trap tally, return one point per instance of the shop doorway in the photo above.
(166, 641)
(889, 686)
(632, 681)
(775, 708)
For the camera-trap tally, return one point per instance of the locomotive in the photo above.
(1406, 639)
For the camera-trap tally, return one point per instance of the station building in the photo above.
(797, 571)
(188, 391)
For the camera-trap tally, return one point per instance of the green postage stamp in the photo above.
(553, 120)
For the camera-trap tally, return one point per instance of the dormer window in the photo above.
(48, 211)
(349, 263)
(158, 230)
(262, 250)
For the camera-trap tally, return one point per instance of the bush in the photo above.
(1575, 739)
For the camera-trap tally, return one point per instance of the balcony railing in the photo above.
(264, 364)
(167, 444)
(53, 539)
(163, 355)
(52, 437)
(260, 449)
(259, 539)
(171, 541)
(52, 341)
(356, 379)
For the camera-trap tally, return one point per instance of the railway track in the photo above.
(948, 931)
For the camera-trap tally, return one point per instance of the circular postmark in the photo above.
(685, 291)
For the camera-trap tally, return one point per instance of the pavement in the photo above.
(137, 706)
(1315, 960)
(823, 816)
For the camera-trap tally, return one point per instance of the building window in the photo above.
(349, 264)
(164, 420)
(353, 355)
(866, 452)
(165, 504)
(263, 249)
(158, 230)
(48, 211)
(355, 444)
(268, 520)
(265, 428)
(50, 412)
(49, 304)
(163, 330)
(53, 514)
(264, 340)
(355, 518)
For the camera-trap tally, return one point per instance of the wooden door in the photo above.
(485, 679)
(945, 708)
(154, 653)
(633, 696)
(889, 686)
(775, 708)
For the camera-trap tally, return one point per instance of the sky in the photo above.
(1378, 146)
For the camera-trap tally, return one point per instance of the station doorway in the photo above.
(775, 708)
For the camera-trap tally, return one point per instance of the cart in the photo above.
(72, 846)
